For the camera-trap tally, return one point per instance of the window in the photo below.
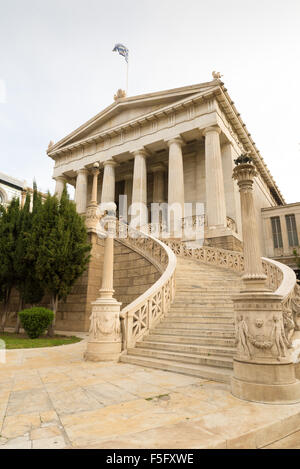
(292, 230)
(276, 231)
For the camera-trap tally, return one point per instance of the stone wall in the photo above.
(133, 274)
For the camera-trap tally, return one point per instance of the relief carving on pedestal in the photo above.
(104, 324)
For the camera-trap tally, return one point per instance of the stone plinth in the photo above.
(263, 370)
(105, 338)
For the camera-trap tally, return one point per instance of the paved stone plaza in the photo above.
(51, 398)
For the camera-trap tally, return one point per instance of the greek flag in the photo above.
(122, 50)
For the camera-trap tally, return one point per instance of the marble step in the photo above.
(195, 319)
(203, 314)
(187, 348)
(222, 375)
(196, 359)
(183, 339)
(187, 323)
(194, 332)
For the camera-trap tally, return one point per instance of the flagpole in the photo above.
(127, 65)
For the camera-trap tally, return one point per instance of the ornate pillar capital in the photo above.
(60, 178)
(244, 175)
(82, 171)
(211, 129)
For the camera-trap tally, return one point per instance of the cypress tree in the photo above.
(9, 223)
(63, 249)
(28, 285)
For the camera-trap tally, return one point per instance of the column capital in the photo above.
(110, 162)
(140, 151)
(177, 140)
(82, 171)
(60, 178)
(211, 129)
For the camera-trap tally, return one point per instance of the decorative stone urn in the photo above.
(263, 369)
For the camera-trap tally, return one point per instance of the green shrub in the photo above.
(35, 321)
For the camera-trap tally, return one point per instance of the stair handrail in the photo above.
(148, 309)
(281, 279)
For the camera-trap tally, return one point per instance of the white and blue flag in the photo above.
(122, 50)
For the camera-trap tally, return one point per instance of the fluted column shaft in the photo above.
(59, 186)
(244, 174)
(108, 186)
(215, 194)
(81, 190)
(95, 172)
(139, 187)
(158, 183)
(175, 186)
(107, 289)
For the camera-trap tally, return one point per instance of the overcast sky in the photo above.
(57, 70)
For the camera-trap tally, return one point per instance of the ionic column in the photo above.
(139, 189)
(215, 194)
(81, 190)
(175, 186)
(59, 186)
(254, 277)
(108, 185)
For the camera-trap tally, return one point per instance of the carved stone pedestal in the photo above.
(105, 338)
(263, 370)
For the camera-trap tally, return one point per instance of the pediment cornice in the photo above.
(181, 98)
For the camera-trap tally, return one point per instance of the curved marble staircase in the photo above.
(196, 337)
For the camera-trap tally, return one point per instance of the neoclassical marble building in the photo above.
(175, 146)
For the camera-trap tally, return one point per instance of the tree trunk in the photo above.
(20, 307)
(5, 311)
(54, 302)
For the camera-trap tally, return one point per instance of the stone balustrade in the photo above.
(147, 310)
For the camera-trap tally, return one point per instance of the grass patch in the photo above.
(156, 397)
(17, 341)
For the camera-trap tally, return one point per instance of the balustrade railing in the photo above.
(147, 310)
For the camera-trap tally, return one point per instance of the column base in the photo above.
(268, 383)
(103, 351)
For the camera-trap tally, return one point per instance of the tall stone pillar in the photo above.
(175, 187)
(59, 186)
(254, 277)
(92, 212)
(139, 209)
(215, 195)
(128, 192)
(263, 368)
(158, 183)
(108, 185)
(81, 190)
(104, 343)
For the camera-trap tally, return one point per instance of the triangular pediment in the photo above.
(129, 109)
